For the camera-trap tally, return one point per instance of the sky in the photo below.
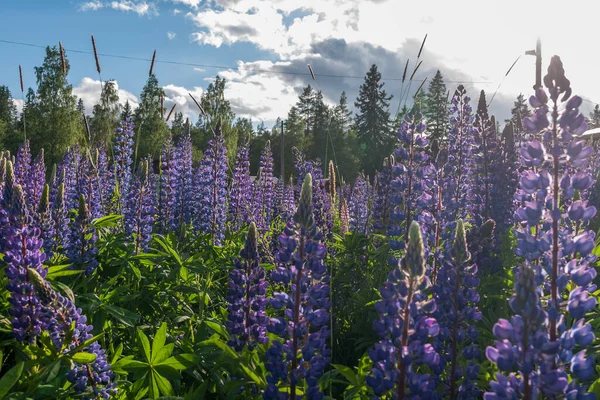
(262, 48)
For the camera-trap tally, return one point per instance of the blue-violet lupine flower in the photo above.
(91, 380)
(247, 321)
(405, 326)
(304, 304)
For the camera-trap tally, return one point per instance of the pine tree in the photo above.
(373, 124)
(306, 109)
(217, 109)
(342, 116)
(8, 109)
(594, 119)
(321, 148)
(106, 115)
(178, 126)
(127, 111)
(518, 112)
(53, 122)
(436, 112)
(151, 131)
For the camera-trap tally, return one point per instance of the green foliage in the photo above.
(52, 120)
(151, 131)
(373, 122)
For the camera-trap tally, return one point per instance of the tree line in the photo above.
(54, 119)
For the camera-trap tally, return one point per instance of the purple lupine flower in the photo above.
(486, 161)
(278, 199)
(358, 206)
(552, 235)
(523, 343)
(88, 185)
(60, 218)
(405, 326)
(304, 301)
(413, 177)
(344, 218)
(212, 188)
(382, 207)
(22, 167)
(458, 196)
(67, 172)
(21, 247)
(82, 248)
(506, 182)
(246, 319)
(321, 199)
(92, 380)
(2, 175)
(263, 197)
(139, 209)
(288, 208)
(169, 187)
(123, 153)
(185, 197)
(105, 179)
(36, 182)
(456, 313)
(44, 221)
(240, 195)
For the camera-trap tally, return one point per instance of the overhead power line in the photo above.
(224, 67)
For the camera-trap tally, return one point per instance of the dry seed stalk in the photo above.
(152, 64)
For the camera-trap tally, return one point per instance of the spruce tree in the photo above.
(306, 109)
(106, 115)
(594, 119)
(436, 112)
(53, 122)
(127, 111)
(178, 126)
(216, 108)
(151, 131)
(373, 124)
(519, 111)
(321, 146)
(8, 109)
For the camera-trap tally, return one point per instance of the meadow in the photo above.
(464, 271)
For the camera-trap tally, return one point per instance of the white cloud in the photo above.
(176, 11)
(91, 6)
(19, 104)
(477, 43)
(140, 8)
(190, 3)
(89, 90)
(179, 95)
(171, 35)
(197, 69)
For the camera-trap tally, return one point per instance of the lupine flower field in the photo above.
(464, 273)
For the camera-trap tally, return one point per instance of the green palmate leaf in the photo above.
(131, 365)
(9, 379)
(109, 221)
(347, 372)
(252, 375)
(144, 343)
(181, 362)
(86, 343)
(122, 315)
(84, 358)
(153, 390)
(163, 384)
(117, 353)
(162, 354)
(217, 328)
(159, 340)
(221, 345)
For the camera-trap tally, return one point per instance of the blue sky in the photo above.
(470, 45)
